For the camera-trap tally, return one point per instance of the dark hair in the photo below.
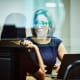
(14, 26)
(11, 32)
(41, 12)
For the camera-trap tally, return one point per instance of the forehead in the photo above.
(41, 18)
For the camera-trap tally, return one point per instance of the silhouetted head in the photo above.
(14, 27)
(11, 32)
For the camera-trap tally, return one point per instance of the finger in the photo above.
(22, 43)
(45, 66)
(28, 42)
(55, 65)
(57, 70)
(44, 70)
(28, 46)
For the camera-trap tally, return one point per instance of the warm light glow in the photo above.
(50, 4)
(53, 5)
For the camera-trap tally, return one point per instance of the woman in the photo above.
(10, 38)
(50, 47)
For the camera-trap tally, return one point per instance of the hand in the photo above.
(43, 67)
(28, 44)
(57, 66)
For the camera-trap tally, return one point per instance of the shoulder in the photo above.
(8, 43)
(56, 41)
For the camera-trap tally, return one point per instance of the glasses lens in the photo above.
(41, 23)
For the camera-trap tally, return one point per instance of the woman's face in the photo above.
(41, 26)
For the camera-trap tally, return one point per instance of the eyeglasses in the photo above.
(41, 23)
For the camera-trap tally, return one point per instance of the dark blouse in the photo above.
(48, 52)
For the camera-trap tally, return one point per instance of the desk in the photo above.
(32, 78)
(47, 78)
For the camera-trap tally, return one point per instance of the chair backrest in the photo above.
(8, 69)
(14, 28)
(73, 71)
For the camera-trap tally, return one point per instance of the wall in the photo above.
(75, 26)
(69, 32)
(9, 6)
(65, 30)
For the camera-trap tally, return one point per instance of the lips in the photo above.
(40, 31)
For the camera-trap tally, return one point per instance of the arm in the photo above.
(39, 75)
(61, 51)
(28, 44)
(39, 58)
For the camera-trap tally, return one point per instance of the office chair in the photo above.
(73, 71)
(13, 29)
(8, 67)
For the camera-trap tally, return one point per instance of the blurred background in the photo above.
(64, 13)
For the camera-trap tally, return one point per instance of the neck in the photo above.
(41, 41)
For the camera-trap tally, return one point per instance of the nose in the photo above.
(39, 26)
